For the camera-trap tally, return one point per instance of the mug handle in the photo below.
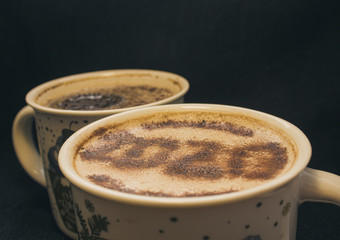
(24, 147)
(320, 186)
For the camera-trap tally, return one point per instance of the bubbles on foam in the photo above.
(186, 154)
(120, 96)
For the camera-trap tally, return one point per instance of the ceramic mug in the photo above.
(265, 212)
(54, 126)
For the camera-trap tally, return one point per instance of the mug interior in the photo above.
(69, 150)
(40, 96)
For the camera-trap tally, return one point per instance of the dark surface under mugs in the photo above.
(280, 57)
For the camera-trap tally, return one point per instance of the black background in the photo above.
(276, 56)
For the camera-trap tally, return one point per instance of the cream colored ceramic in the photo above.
(266, 212)
(54, 126)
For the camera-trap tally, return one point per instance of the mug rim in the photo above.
(68, 151)
(39, 90)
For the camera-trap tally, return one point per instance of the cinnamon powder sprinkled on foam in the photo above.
(186, 154)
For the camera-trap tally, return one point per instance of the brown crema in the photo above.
(184, 154)
(121, 96)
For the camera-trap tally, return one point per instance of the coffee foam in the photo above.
(182, 154)
(120, 96)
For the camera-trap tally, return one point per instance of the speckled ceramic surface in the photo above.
(52, 132)
(265, 212)
(266, 217)
(55, 126)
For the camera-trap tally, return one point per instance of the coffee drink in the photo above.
(185, 153)
(62, 106)
(121, 96)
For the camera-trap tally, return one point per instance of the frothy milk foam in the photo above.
(183, 154)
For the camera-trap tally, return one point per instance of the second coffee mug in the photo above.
(62, 106)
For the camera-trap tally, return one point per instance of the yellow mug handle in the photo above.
(320, 186)
(24, 146)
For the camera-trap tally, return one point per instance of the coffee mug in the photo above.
(107, 209)
(55, 125)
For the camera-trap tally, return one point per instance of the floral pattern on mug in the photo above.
(92, 227)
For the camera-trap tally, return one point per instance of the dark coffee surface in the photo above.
(90, 101)
(114, 98)
(187, 154)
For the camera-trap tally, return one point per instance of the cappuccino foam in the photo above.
(183, 154)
